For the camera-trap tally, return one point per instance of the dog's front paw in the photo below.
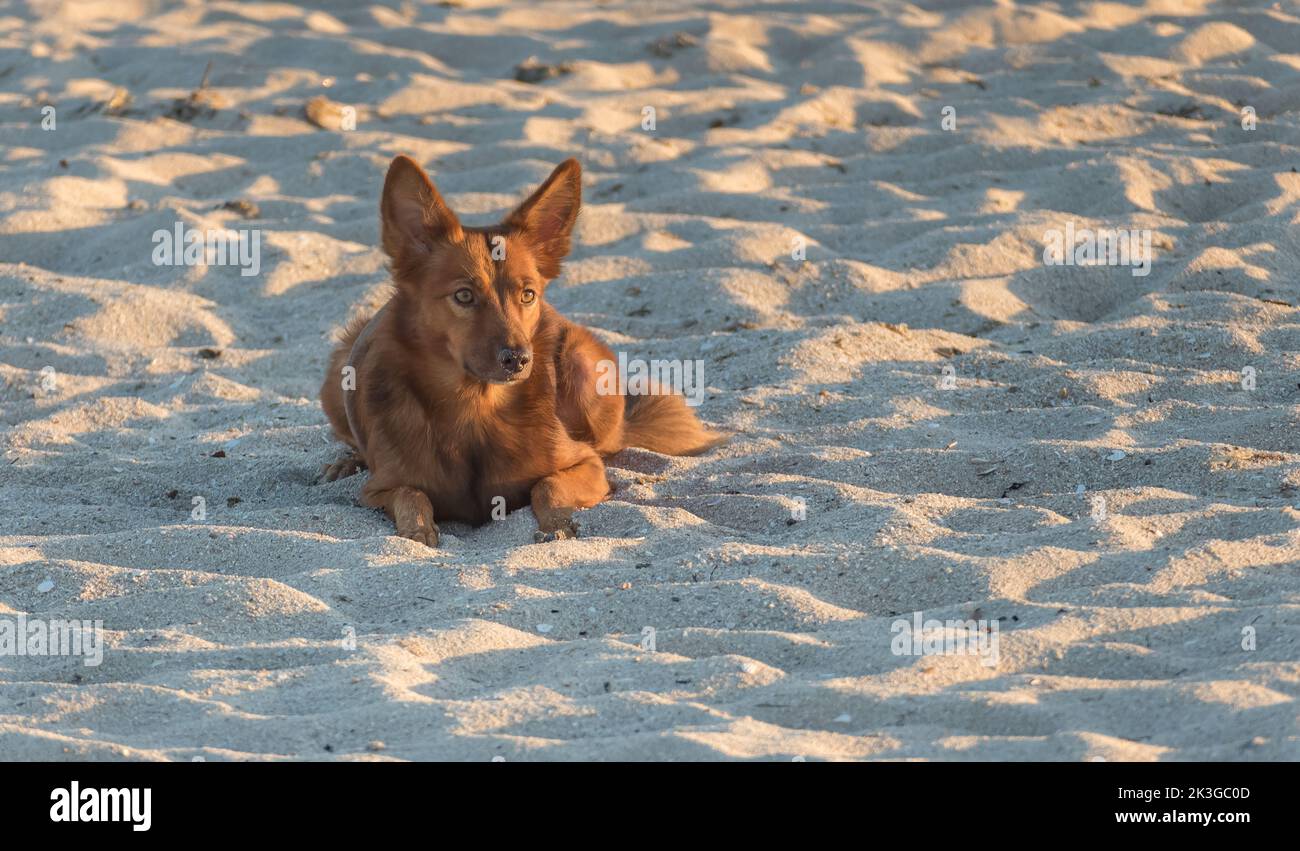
(555, 526)
(427, 535)
(342, 468)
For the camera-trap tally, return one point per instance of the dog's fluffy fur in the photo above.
(471, 392)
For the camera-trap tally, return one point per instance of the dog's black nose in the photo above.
(514, 360)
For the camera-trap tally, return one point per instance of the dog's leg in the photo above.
(410, 509)
(342, 468)
(557, 496)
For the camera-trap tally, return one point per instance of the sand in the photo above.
(1103, 466)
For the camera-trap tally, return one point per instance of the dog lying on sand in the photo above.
(466, 391)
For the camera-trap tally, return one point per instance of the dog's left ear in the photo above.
(547, 217)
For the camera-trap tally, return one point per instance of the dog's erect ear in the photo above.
(413, 218)
(547, 217)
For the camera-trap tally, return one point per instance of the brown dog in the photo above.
(467, 392)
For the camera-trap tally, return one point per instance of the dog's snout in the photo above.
(513, 360)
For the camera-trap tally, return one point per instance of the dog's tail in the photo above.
(664, 423)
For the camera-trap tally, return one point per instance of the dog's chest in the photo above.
(483, 472)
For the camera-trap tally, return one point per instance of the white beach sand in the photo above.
(1153, 616)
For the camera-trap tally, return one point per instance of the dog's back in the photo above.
(331, 391)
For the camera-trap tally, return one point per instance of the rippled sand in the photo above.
(1104, 464)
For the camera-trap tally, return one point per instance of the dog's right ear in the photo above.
(413, 218)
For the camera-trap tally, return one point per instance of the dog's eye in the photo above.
(528, 296)
(464, 295)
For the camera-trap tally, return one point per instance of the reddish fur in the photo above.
(439, 441)
(664, 423)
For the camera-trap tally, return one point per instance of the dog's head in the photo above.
(475, 294)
